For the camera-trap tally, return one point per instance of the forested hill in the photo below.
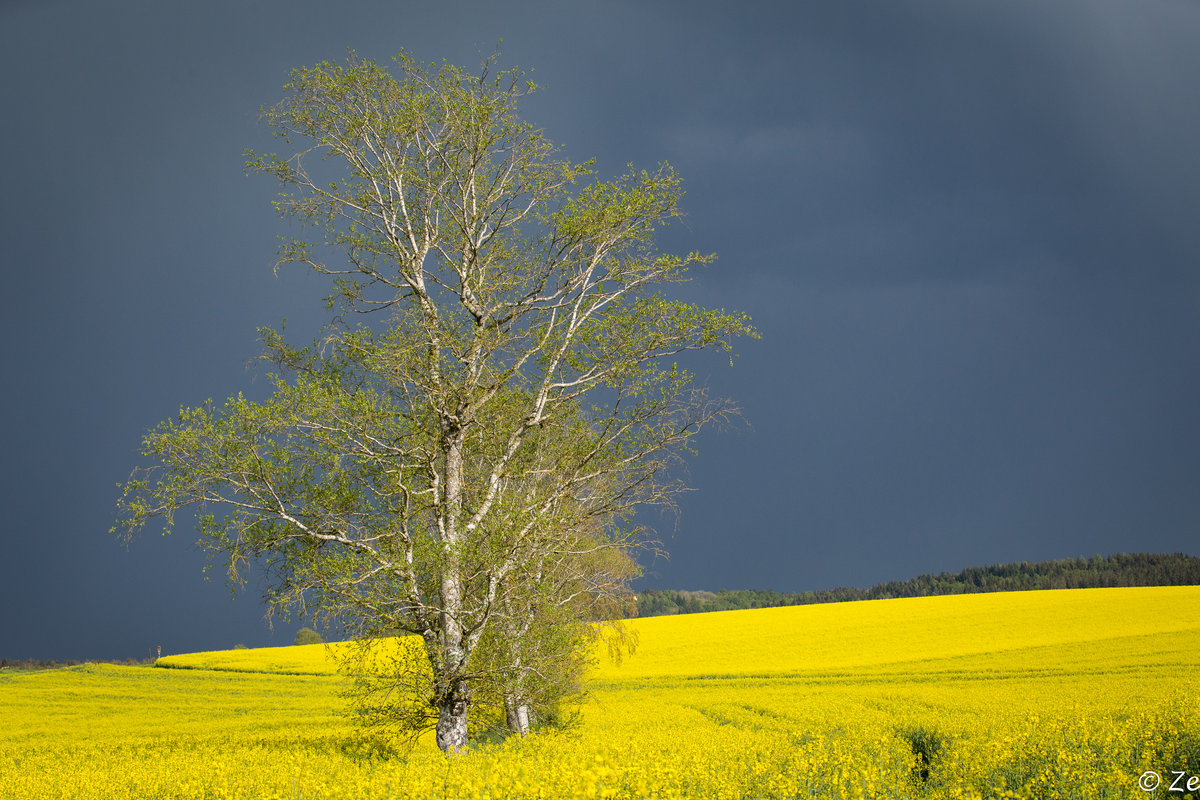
(1124, 569)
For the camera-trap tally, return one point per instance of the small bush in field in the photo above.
(308, 636)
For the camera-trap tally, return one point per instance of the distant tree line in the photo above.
(1123, 569)
(36, 663)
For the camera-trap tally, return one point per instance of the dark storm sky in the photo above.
(968, 232)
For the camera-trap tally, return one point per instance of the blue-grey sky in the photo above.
(968, 232)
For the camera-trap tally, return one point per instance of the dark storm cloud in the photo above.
(1044, 134)
(966, 230)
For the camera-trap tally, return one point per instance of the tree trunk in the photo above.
(452, 723)
(453, 698)
(517, 715)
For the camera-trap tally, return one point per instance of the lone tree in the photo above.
(471, 454)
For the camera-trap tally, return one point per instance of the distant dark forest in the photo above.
(38, 664)
(1123, 569)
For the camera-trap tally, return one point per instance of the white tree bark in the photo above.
(452, 723)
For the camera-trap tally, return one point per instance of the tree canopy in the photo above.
(471, 453)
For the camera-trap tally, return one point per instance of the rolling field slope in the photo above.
(1073, 694)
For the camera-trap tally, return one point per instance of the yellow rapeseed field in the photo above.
(1067, 694)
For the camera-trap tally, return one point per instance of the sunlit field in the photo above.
(1072, 694)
